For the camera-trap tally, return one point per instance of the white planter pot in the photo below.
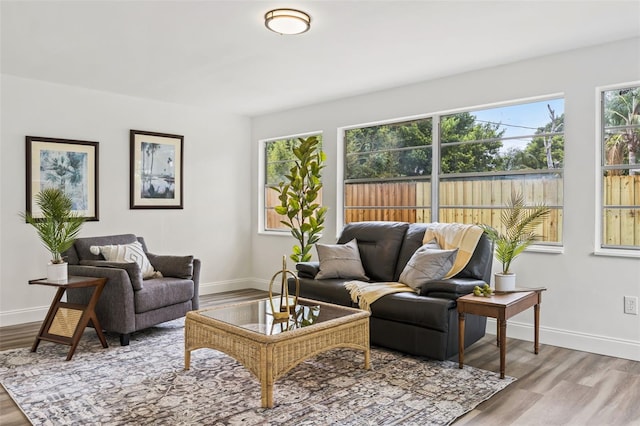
(505, 282)
(57, 271)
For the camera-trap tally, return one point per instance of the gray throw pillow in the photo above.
(427, 264)
(172, 266)
(340, 261)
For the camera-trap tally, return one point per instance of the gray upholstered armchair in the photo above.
(130, 302)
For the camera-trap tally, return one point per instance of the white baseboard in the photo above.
(23, 316)
(619, 348)
(231, 285)
(602, 345)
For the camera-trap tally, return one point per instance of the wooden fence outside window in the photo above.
(481, 201)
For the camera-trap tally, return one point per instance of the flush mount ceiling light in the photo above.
(287, 21)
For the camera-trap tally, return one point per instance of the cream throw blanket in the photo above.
(364, 293)
(455, 235)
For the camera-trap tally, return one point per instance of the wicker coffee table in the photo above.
(269, 349)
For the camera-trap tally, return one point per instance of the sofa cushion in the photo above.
(131, 252)
(379, 245)
(161, 292)
(411, 242)
(410, 308)
(340, 261)
(172, 266)
(427, 263)
(331, 290)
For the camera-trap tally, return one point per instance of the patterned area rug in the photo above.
(145, 383)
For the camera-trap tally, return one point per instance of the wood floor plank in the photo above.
(557, 387)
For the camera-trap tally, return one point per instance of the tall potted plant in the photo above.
(298, 197)
(518, 225)
(57, 229)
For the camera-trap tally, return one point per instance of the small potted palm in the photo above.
(518, 222)
(57, 229)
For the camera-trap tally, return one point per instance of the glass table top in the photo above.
(257, 316)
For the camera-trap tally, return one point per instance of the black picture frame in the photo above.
(70, 165)
(156, 165)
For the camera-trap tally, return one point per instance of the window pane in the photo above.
(621, 227)
(279, 159)
(482, 199)
(621, 168)
(388, 164)
(516, 137)
(379, 157)
(272, 219)
(389, 150)
(621, 146)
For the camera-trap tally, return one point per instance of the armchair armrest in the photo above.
(115, 308)
(451, 288)
(308, 269)
(173, 266)
(132, 268)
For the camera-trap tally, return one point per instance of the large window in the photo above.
(620, 168)
(388, 172)
(462, 173)
(487, 154)
(278, 158)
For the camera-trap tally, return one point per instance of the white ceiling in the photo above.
(218, 54)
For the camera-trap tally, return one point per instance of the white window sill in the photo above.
(285, 233)
(617, 253)
(545, 249)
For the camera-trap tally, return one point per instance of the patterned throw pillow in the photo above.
(127, 253)
(340, 261)
(428, 263)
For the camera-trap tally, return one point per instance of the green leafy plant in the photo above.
(298, 197)
(518, 221)
(59, 225)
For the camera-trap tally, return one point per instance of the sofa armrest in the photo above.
(451, 288)
(308, 269)
(132, 268)
(172, 266)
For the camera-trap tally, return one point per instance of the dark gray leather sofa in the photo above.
(128, 303)
(424, 324)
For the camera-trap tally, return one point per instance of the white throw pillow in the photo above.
(132, 252)
(427, 264)
(340, 261)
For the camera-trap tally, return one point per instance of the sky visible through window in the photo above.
(521, 119)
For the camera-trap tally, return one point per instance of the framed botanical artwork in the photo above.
(69, 165)
(156, 170)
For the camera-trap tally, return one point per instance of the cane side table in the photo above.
(500, 306)
(65, 322)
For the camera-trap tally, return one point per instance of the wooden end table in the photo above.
(500, 306)
(65, 322)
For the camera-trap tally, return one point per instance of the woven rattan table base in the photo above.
(269, 357)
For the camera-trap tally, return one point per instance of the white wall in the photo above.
(212, 226)
(583, 307)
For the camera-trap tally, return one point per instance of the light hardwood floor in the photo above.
(557, 387)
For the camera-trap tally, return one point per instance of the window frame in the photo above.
(342, 160)
(262, 178)
(436, 165)
(600, 249)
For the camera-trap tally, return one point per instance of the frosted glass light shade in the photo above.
(287, 21)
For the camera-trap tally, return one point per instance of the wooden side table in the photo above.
(65, 322)
(501, 307)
